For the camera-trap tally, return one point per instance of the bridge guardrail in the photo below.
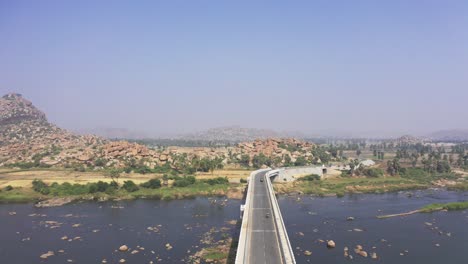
(286, 248)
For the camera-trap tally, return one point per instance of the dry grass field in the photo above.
(23, 178)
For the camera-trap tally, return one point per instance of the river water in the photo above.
(103, 227)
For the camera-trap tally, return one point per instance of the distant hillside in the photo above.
(450, 135)
(114, 133)
(233, 134)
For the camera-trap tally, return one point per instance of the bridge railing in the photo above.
(286, 248)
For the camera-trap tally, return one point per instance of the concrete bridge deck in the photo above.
(263, 237)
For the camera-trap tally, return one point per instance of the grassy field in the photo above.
(23, 178)
(339, 186)
(21, 181)
(447, 206)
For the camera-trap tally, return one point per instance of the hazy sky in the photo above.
(178, 66)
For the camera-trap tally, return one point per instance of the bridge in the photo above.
(263, 236)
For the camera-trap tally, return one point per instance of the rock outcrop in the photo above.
(28, 139)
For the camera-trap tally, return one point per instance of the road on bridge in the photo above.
(262, 235)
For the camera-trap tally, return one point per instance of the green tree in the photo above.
(358, 153)
(115, 175)
(130, 186)
(152, 184)
(244, 160)
(300, 161)
(287, 160)
(260, 160)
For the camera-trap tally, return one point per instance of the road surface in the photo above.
(263, 240)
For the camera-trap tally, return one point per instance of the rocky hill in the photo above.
(27, 139)
(27, 136)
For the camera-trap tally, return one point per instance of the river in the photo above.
(97, 230)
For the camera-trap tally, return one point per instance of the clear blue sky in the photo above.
(177, 66)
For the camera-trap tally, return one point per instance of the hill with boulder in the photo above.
(28, 139)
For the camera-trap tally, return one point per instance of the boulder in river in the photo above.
(331, 244)
(46, 255)
(123, 248)
(307, 253)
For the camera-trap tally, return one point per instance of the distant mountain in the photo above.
(450, 135)
(232, 134)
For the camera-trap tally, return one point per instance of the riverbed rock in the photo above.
(46, 255)
(307, 253)
(54, 202)
(122, 261)
(123, 248)
(373, 255)
(168, 246)
(350, 218)
(363, 253)
(331, 244)
(134, 252)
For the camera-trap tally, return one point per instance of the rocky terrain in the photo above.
(28, 139)
(26, 135)
(408, 140)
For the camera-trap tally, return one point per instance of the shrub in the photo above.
(373, 172)
(184, 181)
(312, 177)
(40, 187)
(243, 181)
(100, 162)
(99, 186)
(142, 169)
(130, 186)
(152, 184)
(8, 188)
(218, 180)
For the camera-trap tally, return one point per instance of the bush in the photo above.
(373, 172)
(80, 168)
(99, 186)
(40, 187)
(184, 181)
(243, 181)
(312, 177)
(142, 169)
(152, 184)
(130, 186)
(218, 180)
(8, 188)
(100, 162)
